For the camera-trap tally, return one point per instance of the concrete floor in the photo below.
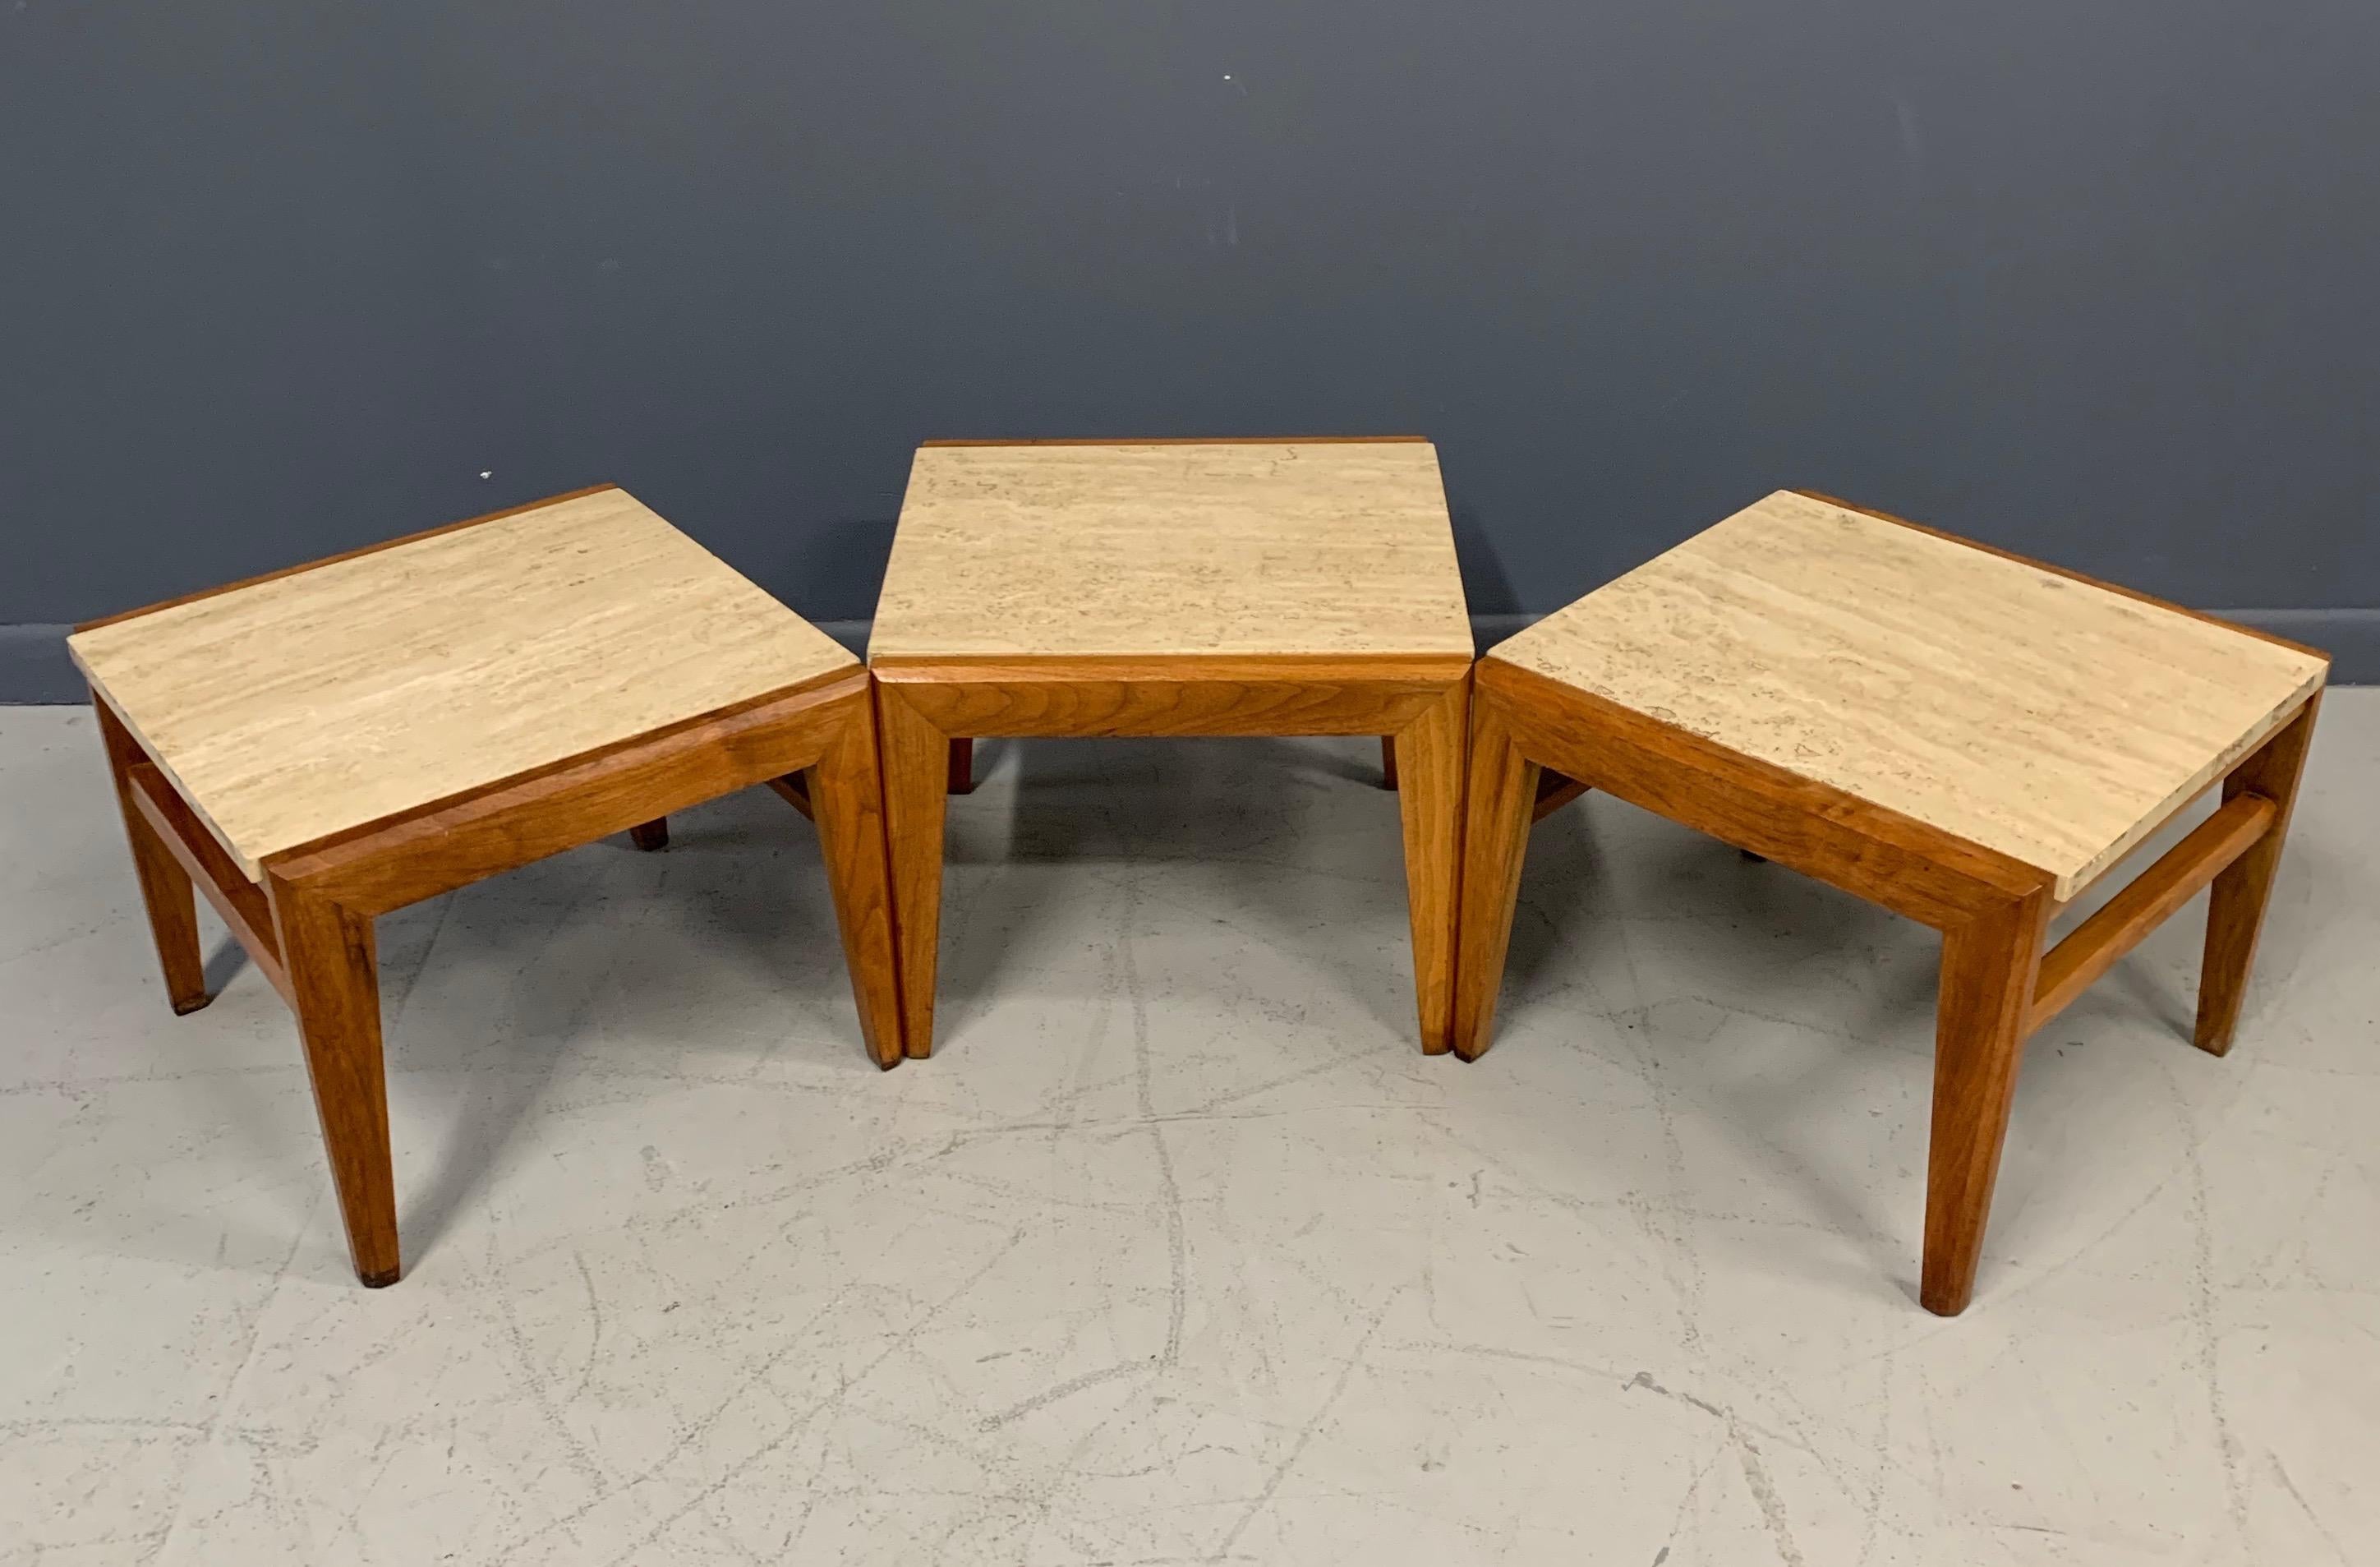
(1179, 1251)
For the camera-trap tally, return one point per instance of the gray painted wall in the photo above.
(2093, 282)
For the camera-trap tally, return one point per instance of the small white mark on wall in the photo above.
(487, 473)
(1913, 149)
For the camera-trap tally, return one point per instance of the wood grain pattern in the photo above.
(1095, 549)
(167, 891)
(1907, 866)
(2043, 717)
(846, 800)
(1499, 798)
(2151, 898)
(916, 754)
(323, 896)
(333, 973)
(1989, 964)
(1993, 910)
(1176, 696)
(2235, 909)
(321, 700)
(923, 704)
(308, 928)
(419, 854)
(1170, 587)
(1430, 753)
(238, 901)
(1531, 728)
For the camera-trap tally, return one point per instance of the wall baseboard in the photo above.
(2351, 638)
(34, 668)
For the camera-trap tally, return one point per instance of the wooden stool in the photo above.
(1173, 588)
(1966, 738)
(327, 743)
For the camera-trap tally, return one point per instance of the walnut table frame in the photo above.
(319, 746)
(1964, 737)
(1173, 588)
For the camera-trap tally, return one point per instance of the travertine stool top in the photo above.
(1166, 549)
(322, 699)
(2051, 719)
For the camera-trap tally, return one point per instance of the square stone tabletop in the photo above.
(1173, 548)
(2053, 720)
(325, 698)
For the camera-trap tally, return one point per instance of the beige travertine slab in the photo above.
(1255, 547)
(2051, 720)
(330, 698)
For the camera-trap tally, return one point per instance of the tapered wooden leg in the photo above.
(1498, 798)
(2235, 909)
(1989, 964)
(1387, 761)
(1428, 753)
(915, 778)
(962, 767)
(847, 802)
(650, 835)
(334, 980)
(165, 888)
